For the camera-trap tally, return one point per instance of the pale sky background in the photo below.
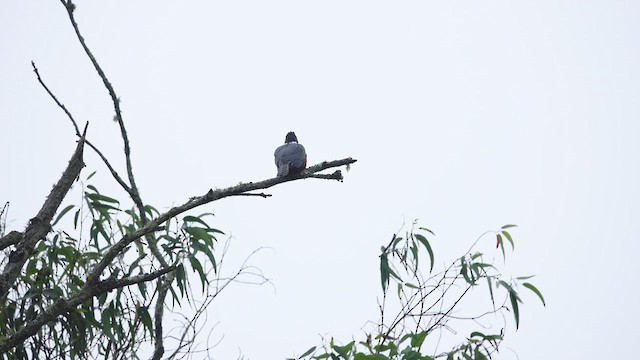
(464, 114)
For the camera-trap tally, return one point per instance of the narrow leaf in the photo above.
(514, 304)
(64, 211)
(308, 352)
(508, 236)
(384, 271)
(426, 244)
(536, 291)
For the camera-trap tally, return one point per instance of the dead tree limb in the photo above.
(40, 225)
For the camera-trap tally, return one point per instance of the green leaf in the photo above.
(91, 187)
(418, 339)
(146, 318)
(384, 271)
(199, 233)
(478, 355)
(509, 226)
(410, 285)
(64, 211)
(507, 286)
(197, 267)
(426, 244)
(99, 198)
(501, 245)
(525, 277)
(414, 252)
(322, 356)
(508, 236)
(191, 218)
(427, 230)
(344, 351)
(465, 273)
(75, 219)
(306, 353)
(514, 304)
(491, 291)
(536, 291)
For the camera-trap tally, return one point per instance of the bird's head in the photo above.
(291, 137)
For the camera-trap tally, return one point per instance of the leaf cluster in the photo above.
(427, 303)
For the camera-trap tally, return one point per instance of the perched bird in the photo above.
(291, 158)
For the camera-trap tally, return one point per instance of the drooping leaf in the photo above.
(501, 245)
(146, 318)
(508, 236)
(62, 213)
(514, 306)
(197, 267)
(426, 244)
(427, 230)
(75, 219)
(493, 302)
(508, 226)
(536, 291)
(384, 271)
(464, 271)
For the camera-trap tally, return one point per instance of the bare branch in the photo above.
(119, 283)
(133, 191)
(70, 7)
(11, 238)
(210, 196)
(253, 194)
(114, 173)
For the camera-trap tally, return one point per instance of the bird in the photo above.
(291, 158)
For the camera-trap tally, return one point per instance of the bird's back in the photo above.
(290, 157)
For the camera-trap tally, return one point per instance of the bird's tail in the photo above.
(283, 170)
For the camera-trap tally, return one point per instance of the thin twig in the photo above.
(114, 173)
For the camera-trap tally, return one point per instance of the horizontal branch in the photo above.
(63, 306)
(94, 287)
(210, 196)
(11, 238)
(110, 284)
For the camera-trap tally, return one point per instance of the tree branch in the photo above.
(133, 191)
(63, 306)
(127, 281)
(11, 238)
(210, 196)
(40, 225)
(114, 173)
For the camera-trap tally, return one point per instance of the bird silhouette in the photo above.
(291, 158)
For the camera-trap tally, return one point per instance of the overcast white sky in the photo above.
(464, 114)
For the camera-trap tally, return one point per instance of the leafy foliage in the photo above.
(426, 302)
(116, 323)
